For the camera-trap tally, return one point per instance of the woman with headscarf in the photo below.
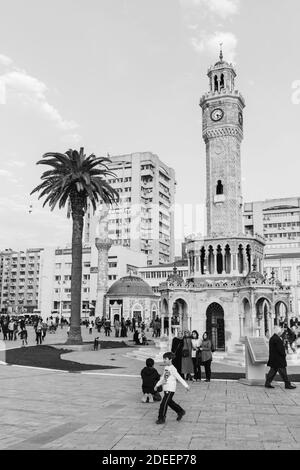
(206, 355)
(187, 367)
(176, 348)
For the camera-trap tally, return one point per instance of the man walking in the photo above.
(277, 360)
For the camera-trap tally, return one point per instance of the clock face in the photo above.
(241, 119)
(217, 114)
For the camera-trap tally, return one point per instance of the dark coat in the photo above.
(150, 378)
(177, 346)
(277, 353)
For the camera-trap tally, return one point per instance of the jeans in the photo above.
(168, 401)
(207, 367)
(38, 338)
(197, 368)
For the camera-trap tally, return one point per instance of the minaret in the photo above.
(222, 109)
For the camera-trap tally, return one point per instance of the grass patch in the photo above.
(47, 357)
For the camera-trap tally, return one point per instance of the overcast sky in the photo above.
(123, 76)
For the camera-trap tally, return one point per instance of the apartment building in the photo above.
(19, 280)
(144, 219)
(278, 220)
(56, 266)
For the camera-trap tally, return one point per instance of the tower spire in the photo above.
(221, 52)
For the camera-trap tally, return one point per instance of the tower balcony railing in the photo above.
(198, 284)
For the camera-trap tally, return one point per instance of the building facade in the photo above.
(143, 220)
(226, 293)
(131, 297)
(155, 275)
(39, 280)
(55, 284)
(19, 280)
(278, 220)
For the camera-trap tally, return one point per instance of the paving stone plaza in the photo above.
(47, 409)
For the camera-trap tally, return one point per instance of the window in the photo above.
(287, 274)
(57, 278)
(86, 277)
(67, 277)
(57, 265)
(220, 188)
(87, 265)
(112, 265)
(67, 291)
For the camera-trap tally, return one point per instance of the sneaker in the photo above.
(160, 421)
(144, 398)
(150, 397)
(290, 386)
(180, 415)
(269, 386)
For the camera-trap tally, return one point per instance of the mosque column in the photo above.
(103, 246)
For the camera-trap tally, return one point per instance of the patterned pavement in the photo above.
(45, 409)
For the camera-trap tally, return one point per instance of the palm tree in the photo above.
(76, 179)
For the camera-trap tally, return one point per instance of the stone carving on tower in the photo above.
(103, 244)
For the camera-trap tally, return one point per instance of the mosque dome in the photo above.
(130, 286)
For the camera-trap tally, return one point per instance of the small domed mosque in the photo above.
(226, 293)
(131, 297)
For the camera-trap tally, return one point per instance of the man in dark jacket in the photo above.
(277, 360)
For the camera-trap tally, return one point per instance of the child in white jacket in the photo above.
(168, 381)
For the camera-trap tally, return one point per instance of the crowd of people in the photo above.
(14, 327)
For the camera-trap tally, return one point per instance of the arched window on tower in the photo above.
(222, 84)
(220, 189)
(216, 83)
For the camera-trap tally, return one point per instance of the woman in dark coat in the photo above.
(206, 355)
(177, 345)
(277, 360)
(123, 328)
(187, 367)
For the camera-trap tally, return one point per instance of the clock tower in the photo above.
(222, 109)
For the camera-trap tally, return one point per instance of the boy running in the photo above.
(168, 381)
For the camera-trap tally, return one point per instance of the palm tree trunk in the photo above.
(76, 273)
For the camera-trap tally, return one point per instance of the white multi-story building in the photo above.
(144, 219)
(39, 280)
(278, 220)
(19, 280)
(155, 275)
(55, 285)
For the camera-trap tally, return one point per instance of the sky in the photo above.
(124, 76)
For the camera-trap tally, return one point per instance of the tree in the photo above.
(76, 180)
